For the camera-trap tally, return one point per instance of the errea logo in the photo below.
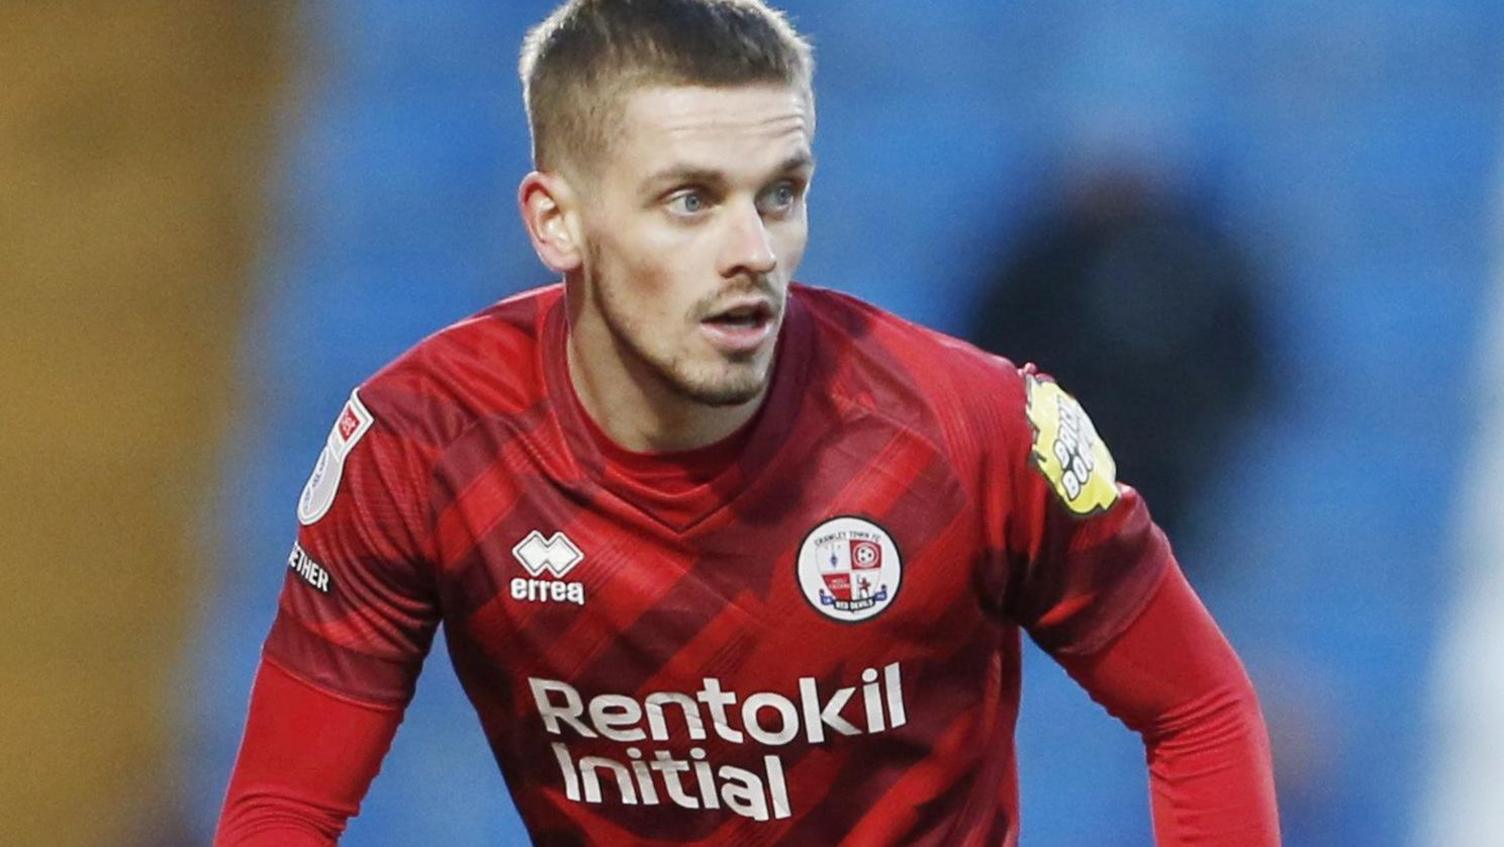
(555, 556)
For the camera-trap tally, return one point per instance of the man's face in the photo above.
(694, 223)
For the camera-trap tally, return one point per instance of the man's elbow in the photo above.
(1226, 714)
(270, 820)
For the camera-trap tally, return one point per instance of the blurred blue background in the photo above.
(1349, 148)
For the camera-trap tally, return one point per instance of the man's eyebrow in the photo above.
(691, 174)
(676, 174)
(801, 161)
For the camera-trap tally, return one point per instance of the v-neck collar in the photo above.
(682, 509)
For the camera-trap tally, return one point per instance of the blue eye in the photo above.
(780, 197)
(688, 203)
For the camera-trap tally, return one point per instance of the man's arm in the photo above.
(305, 762)
(356, 616)
(1172, 677)
(1094, 582)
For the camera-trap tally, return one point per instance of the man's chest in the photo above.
(841, 554)
(820, 623)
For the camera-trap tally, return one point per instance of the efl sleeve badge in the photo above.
(1067, 450)
(318, 493)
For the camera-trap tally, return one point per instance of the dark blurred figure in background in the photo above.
(1144, 311)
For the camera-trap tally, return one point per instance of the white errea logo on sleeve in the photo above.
(554, 556)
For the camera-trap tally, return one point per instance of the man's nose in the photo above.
(748, 247)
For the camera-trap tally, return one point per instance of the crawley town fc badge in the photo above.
(849, 569)
(1068, 451)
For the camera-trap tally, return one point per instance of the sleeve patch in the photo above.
(310, 571)
(1067, 452)
(323, 483)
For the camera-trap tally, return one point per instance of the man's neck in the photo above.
(633, 405)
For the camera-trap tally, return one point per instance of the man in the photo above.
(721, 558)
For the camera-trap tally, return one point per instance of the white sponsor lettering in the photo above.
(658, 726)
(759, 796)
(617, 717)
(788, 719)
(569, 711)
(311, 572)
(766, 718)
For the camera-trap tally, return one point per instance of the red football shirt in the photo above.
(815, 640)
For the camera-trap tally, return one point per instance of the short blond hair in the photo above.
(578, 64)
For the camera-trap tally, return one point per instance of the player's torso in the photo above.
(819, 635)
(800, 657)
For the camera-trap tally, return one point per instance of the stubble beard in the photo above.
(718, 382)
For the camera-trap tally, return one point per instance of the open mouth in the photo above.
(741, 328)
(746, 316)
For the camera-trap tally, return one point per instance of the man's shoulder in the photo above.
(485, 365)
(874, 345)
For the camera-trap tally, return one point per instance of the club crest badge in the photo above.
(849, 569)
(318, 493)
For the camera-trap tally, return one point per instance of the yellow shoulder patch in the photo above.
(1067, 450)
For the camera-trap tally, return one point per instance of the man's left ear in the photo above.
(548, 211)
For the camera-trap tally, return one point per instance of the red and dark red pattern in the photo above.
(690, 600)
